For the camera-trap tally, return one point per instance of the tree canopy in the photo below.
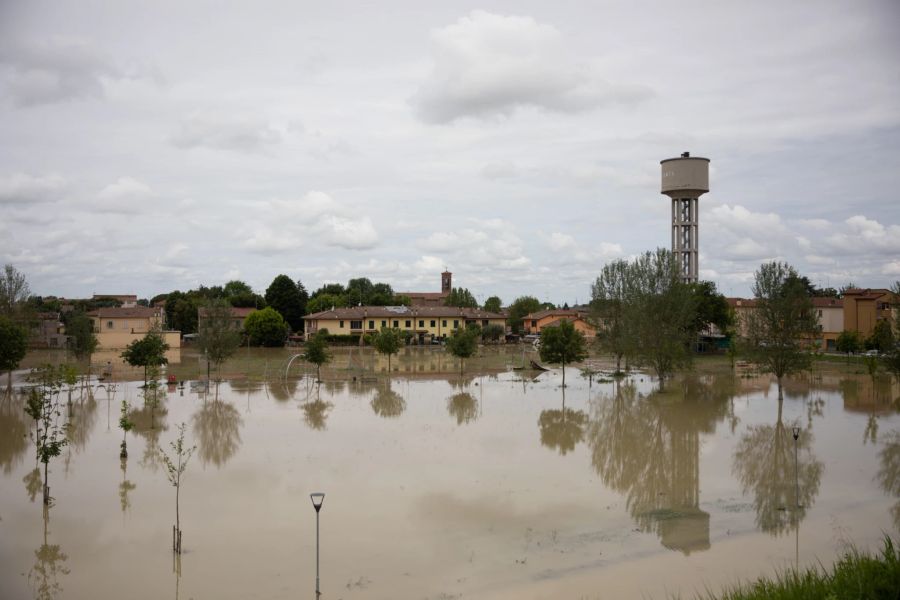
(13, 346)
(388, 341)
(266, 327)
(149, 351)
(284, 296)
(493, 304)
(82, 339)
(460, 297)
(14, 291)
(218, 338)
(316, 351)
(562, 344)
(463, 344)
(519, 308)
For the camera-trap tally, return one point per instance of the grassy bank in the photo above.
(856, 576)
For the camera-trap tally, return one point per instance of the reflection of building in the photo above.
(118, 327)
(535, 322)
(864, 308)
(432, 321)
(431, 298)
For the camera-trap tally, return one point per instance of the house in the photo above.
(238, 314)
(863, 308)
(829, 312)
(422, 321)
(116, 327)
(47, 331)
(431, 298)
(533, 323)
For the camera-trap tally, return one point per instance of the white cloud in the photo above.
(487, 64)
(24, 189)
(126, 196)
(225, 132)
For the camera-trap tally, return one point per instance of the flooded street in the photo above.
(494, 484)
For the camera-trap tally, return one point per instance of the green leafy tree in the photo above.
(284, 296)
(52, 434)
(849, 342)
(82, 339)
(325, 302)
(661, 312)
(562, 344)
(463, 344)
(14, 292)
(266, 327)
(460, 297)
(783, 327)
(13, 347)
(881, 338)
(126, 425)
(175, 467)
(218, 339)
(387, 341)
(493, 332)
(304, 298)
(493, 304)
(148, 351)
(519, 308)
(712, 307)
(316, 351)
(610, 295)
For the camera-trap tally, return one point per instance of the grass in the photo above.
(856, 576)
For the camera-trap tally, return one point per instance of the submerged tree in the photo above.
(316, 351)
(562, 344)
(217, 429)
(609, 300)
(218, 338)
(13, 347)
(175, 467)
(463, 344)
(387, 341)
(126, 425)
(82, 339)
(783, 327)
(44, 402)
(388, 403)
(147, 351)
(562, 429)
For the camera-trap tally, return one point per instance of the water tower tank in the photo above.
(684, 180)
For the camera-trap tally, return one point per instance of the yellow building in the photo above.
(829, 313)
(863, 308)
(116, 327)
(535, 322)
(431, 321)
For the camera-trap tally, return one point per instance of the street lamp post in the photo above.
(317, 499)
(796, 432)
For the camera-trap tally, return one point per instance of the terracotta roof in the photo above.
(828, 303)
(550, 312)
(132, 312)
(403, 312)
(867, 294)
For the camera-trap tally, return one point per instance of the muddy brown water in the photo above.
(497, 484)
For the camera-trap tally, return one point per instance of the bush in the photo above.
(266, 327)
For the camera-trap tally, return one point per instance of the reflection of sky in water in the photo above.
(482, 485)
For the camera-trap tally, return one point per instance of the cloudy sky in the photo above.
(148, 146)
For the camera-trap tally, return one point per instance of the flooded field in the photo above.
(494, 484)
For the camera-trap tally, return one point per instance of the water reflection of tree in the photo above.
(387, 403)
(125, 487)
(315, 412)
(33, 483)
(764, 463)
(149, 424)
(889, 471)
(82, 418)
(217, 429)
(463, 406)
(283, 389)
(49, 565)
(649, 450)
(13, 435)
(562, 428)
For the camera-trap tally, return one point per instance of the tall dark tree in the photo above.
(461, 297)
(609, 301)
(519, 308)
(13, 347)
(712, 307)
(283, 295)
(13, 291)
(493, 304)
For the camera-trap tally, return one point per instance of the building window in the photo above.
(396, 324)
(455, 323)
(444, 323)
(484, 323)
(421, 323)
(371, 324)
(408, 323)
(433, 322)
(355, 324)
(109, 324)
(341, 325)
(384, 323)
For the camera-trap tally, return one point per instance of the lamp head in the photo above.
(317, 499)
(796, 431)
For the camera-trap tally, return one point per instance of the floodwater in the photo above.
(496, 484)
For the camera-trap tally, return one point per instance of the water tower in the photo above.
(684, 180)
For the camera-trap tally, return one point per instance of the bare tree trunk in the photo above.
(46, 488)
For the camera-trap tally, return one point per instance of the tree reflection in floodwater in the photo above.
(14, 430)
(282, 389)
(49, 565)
(562, 429)
(463, 407)
(149, 424)
(764, 463)
(217, 430)
(387, 403)
(889, 471)
(315, 412)
(125, 487)
(82, 418)
(33, 483)
(649, 450)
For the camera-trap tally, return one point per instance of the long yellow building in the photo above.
(432, 321)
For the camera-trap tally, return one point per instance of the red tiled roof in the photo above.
(403, 312)
(133, 312)
(562, 312)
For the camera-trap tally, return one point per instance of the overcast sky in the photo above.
(149, 146)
